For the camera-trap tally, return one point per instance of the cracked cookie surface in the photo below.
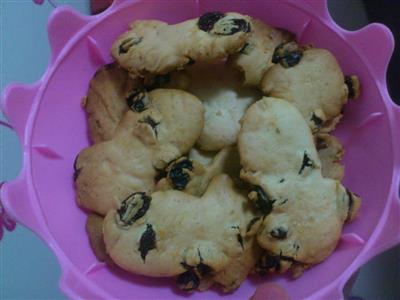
(255, 58)
(186, 231)
(155, 47)
(108, 172)
(315, 86)
(304, 212)
(112, 92)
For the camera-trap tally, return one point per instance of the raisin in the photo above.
(230, 27)
(348, 80)
(316, 120)
(307, 162)
(188, 281)
(239, 236)
(133, 208)
(241, 25)
(178, 173)
(268, 263)
(203, 269)
(279, 233)
(261, 200)
(251, 223)
(191, 61)
(351, 203)
(147, 241)
(287, 54)
(128, 43)
(291, 59)
(153, 124)
(138, 100)
(206, 21)
(240, 240)
(271, 262)
(286, 258)
(247, 48)
(283, 201)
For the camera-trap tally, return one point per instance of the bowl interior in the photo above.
(60, 123)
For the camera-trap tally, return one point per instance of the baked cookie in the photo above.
(330, 152)
(112, 92)
(105, 103)
(154, 47)
(109, 172)
(254, 59)
(304, 212)
(310, 79)
(172, 233)
(237, 271)
(225, 101)
(94, 229)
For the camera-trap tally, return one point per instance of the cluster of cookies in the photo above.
(210, 190)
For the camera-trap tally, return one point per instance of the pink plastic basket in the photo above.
(51, 125)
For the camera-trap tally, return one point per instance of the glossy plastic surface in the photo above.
(51, 124)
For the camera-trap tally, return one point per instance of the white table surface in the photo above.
(28, 269)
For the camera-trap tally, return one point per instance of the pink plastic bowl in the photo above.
(51, 125)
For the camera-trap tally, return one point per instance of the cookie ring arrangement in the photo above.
(173, 201)
(46, 205)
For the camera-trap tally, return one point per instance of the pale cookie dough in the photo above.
(310, 79)
(154, 47)
(225, 101)
(172, 233)
(108, 172)
(304, 212)
(254, 59)
(112, 92)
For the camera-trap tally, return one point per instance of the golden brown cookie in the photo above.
(154, 47)
(254, 59)
(94, 229)
(310, 79)
(173, 233)
(112, 92)
(304, 212)
(105, 103)
(109, 172)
